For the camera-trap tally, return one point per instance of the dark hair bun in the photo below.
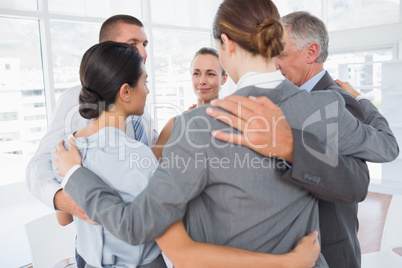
(90, 103)
(104, 68)
(266, 38)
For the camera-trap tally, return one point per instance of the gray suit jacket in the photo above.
(338, 220)
(327, 83)
(220, 190)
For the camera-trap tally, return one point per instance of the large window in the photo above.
(344, 14)
(69, 42)
(21, 86)
(363, 70)
(195, 13)
(40, 52)
(19, 4)
(95, 8)
(288, 6)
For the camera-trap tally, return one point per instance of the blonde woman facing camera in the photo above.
(207, 76)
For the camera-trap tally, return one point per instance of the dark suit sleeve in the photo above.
(323, 180)
(352, 105)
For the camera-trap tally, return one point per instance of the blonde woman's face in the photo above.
(207, 78)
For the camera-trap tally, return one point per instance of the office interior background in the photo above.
(42, 42)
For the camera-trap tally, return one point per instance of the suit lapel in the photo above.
(324, 82)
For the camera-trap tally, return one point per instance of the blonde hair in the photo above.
(208, 51)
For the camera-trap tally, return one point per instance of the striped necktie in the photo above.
(139, 130)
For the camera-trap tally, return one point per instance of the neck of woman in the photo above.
(247, 62)
(114, 119)
(206, 102)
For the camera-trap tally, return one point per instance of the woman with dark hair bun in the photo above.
(105, 70)
(113, 79)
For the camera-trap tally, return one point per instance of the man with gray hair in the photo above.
(306, 49)
(302, 60)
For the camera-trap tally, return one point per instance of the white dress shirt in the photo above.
(262, 80)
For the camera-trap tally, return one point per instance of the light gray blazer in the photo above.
(230, 195)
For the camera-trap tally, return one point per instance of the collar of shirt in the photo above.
(310, 84)
(262, 80)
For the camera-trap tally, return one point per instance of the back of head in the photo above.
(304, 29)
(105, 67)
(208, 51)
(109, 31)
(254, 25)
